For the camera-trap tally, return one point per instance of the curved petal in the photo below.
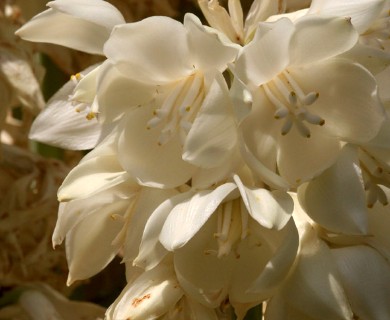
(133, 47)
(192, 262)
(151, 252)
(258, 141)
(278, 267)
(189, 216)
(267, 54)
(91, 22)
(336, 199)
(362, 12)
(60, 125)
(150, 296)
(99, 12)
(316, 38)
(316, 269)
(140, 154)
(72, 212)
(117, 93)
(206, 50)
(365, 275)
(97, 171)
(301, 159)
(213, 135)
(347, 101)
(153, 206)
(89, 246)
(270, 209)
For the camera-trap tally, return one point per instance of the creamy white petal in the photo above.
(60, 125)
(193, 262)
(348, 100)
(315, 269)
(259, 11)
(301, 159)
(89, 246)
(375, 60)
(213, 135)
(336, 199)
(365, 276)
(118, 90)
(151, 252)
(270, 209)
(143, 158)
(150, 296)
(278, 267)
(91, 22)
(207, 52)
(317, 38)
(97, 171)
(267, 54)
(72, 212)
(362, 12)
(99, 12)
(190, 215)
(133, 47)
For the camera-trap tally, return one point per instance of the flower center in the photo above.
(232, 225)
(374, 174)
(291, 103)
(80, 106)
(179, 108)
(378, 34)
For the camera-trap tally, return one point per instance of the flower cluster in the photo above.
(234, 164)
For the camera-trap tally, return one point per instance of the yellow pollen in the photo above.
(90, 116)
(188, 108)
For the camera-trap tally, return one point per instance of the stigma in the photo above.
(291, 103)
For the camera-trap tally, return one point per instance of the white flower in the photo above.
(240, 237)
(306, 101)
(174, 100)
(232, 23)
(103, 210)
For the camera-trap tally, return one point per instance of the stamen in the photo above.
(244, 220)
(90, 116)
(302, 129)
(313, 118)
(290, 102)
(287, 126)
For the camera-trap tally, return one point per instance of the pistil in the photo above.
(290, 103)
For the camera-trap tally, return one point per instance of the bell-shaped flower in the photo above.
(91, 22)
(69, 121)
(232, 23)
(306, 101)
(237, 235)
(177, 104)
